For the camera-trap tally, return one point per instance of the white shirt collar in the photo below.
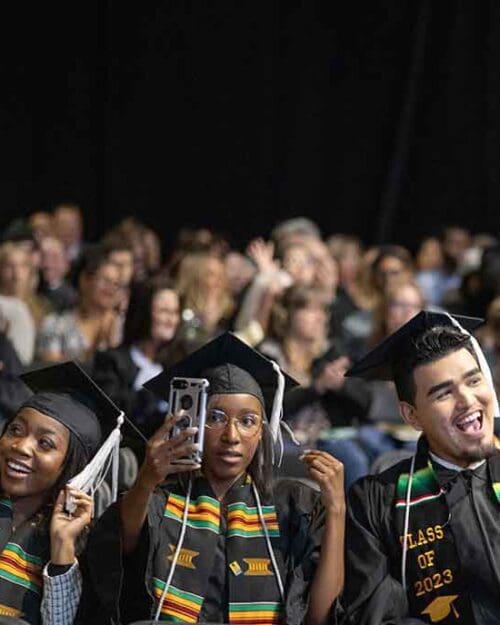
(147, 368)
(455, 467)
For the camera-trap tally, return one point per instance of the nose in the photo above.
(465, 397)
(231, 433)
(22, 446)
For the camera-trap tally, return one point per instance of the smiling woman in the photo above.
(221, 541)
(49, 440)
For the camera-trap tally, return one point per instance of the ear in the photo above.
(409, 415)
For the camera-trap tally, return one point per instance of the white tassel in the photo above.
(483, 364)
(94, 474)
(277, 414)
(276, 422)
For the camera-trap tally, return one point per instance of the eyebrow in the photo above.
(39, 430)
(48, 431)
(447, 383)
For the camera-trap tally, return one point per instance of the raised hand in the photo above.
(162, 451)
(332, 377)
(262, 254)
(65, 528)
(328, 473)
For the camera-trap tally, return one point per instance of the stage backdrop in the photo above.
(378, 118)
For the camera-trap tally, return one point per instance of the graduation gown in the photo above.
(373, 593)
(122, 589)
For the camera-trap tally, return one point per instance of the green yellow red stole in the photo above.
(252, 593)
(434, 588)
(24, 552)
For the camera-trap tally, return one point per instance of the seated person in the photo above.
(220, 541)
(423, 538)
(150, 326)
(49, 441)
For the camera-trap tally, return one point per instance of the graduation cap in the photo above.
(378, 363)
(231, 366)
(440, 607)
(67, 394)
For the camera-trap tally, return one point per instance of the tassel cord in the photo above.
(268, 544)
(407, 523)
(177, 552)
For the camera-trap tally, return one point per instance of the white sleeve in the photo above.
(61, 596)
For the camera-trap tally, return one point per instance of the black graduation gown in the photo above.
(120, 589)
(373, 594)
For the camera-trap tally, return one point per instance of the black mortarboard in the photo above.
(378, 363)
(230, 366)
(66, 393)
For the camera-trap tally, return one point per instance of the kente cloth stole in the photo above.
(24, 552)
(252, 590)
(434, 588)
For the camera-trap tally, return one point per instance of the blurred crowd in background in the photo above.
(125, 308)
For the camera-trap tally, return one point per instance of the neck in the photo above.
(455, 464)
(221, 486)
(148, 348)
(24, 508)
(301, 351)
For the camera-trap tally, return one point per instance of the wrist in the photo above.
(335, 512)
(145, 484)
(62, 550)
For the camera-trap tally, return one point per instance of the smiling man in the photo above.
(423, 537)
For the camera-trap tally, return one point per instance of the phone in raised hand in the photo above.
(190, 396)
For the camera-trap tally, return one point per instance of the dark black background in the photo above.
(379, 118)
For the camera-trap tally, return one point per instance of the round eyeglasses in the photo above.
(247, 424)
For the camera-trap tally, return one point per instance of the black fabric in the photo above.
(68, 379)
(62, 297)
(346, 406)
(373, 594)
(24, 551)
(322, 82)
(229, 379)
(208, 576)
(107, 576)
(66, 393)
(115, 372)
(58, 569)
(377, 364)
(12, 391)
(231, 366)
(74, 415)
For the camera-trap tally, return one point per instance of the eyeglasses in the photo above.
(247, 424)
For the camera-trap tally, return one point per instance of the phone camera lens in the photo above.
(186, 402)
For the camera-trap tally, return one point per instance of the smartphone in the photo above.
(189, 395)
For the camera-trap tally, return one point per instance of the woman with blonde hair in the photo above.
(204, 292)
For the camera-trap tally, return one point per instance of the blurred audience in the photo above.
(54, 268)
(151, 323)
(68, 228)
(94, 323)
(127, 306)
(19, 278)
(207, 304)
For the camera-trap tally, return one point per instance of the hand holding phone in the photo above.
(189, 397)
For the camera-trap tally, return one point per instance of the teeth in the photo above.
(18, 467)
(469, 418)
